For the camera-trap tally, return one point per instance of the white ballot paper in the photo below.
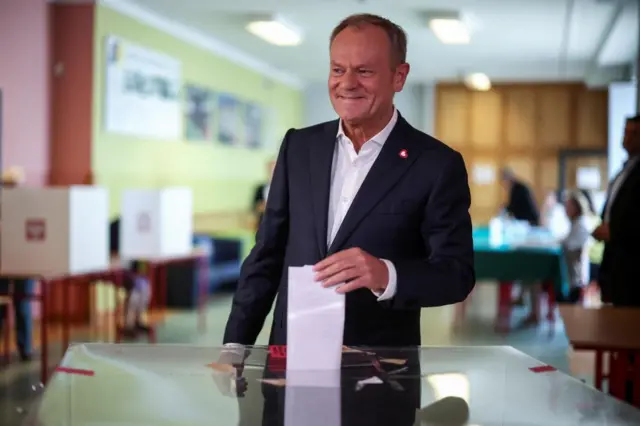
(315, 324)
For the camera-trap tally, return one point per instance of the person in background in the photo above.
(138, 297)
(11, 178)
(520, 205)
(553, 216)
(260, 196)
(574, 244)
(136, 286)
(620, 227)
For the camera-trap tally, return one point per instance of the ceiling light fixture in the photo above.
(478, 81)
(449, 27)
(275, 30)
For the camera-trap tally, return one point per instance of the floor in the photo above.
(19, 384)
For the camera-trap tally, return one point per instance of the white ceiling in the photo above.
(512, 39)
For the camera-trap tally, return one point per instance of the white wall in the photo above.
(622, 104)
(415, 103)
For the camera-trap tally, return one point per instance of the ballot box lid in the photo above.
(137, 384)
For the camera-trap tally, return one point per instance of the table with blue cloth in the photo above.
(506, 263)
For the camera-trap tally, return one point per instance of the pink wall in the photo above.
(24, 80)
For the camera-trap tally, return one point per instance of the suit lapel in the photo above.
(320, 165)
(387, 170)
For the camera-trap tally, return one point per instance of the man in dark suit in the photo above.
(620, 228)
(521, 204)
(379, 208)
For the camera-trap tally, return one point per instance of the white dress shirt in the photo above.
(349, 170)
(617, 184)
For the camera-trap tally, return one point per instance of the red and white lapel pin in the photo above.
(403, 153)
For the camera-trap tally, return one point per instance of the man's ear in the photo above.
(400, 77)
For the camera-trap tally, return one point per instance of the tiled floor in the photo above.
(548, 343)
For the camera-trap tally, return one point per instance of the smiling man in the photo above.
(379, 208)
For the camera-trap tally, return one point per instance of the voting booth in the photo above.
(54, 231)
(156, 223)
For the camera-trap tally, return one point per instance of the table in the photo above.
(611, 333)
(157, 275)
(184, 385)
(507, 263)
(113, 273)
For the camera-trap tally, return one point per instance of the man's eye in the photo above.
(365, 72)
(337, 71)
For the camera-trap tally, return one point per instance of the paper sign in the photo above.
(315, 324)
(588, 177)
(483, 174)
(35, 230)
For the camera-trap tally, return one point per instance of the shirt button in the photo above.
(345, 199)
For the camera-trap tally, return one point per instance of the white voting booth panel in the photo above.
(49, 231)
(156, 222)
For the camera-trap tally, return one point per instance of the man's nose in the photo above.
(349, 80)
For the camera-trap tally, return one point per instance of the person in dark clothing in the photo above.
(521, 204)
(620, 228)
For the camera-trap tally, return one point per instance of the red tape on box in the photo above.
(542, 369)
(77, 371)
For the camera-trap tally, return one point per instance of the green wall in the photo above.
(222, 178)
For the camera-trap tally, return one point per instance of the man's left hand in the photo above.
(355, 268)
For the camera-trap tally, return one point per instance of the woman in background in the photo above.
(595, 248)
(576, 242)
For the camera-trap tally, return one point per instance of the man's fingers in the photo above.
(351, 285)
(341, 277)
(333, 269)
(341, 255)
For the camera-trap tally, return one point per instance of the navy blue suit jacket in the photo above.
(413, 211)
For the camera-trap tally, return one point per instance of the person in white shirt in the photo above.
(574, 244)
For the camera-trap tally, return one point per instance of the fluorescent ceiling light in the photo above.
(450, 30)
(478, 81)
(275, 31)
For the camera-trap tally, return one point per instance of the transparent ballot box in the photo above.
(179, 385)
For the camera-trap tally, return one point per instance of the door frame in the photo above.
(565, 154)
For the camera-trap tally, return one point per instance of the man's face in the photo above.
(631, 141)
(363, 77)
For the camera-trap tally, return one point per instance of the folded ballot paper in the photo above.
(315, 325)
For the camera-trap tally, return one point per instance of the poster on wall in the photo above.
(198, 113)
(253, 126)
(588, 177)
(142, 92)
(229, 119)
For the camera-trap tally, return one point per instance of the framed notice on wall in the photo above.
(142, 92)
